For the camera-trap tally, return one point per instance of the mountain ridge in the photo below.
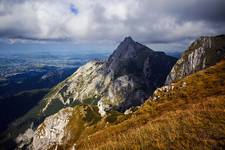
(179, 114)
(187, 114)
(102, 90)
(202, 53)
(120, 80)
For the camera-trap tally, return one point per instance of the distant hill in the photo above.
(174, 54)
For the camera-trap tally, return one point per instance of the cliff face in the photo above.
(204, 52)
(130, 76)
(60, 128)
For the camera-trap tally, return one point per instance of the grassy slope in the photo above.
(186, 117)
(85, 121)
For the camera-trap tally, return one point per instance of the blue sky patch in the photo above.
(74, 9)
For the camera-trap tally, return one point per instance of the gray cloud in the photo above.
(149, 21)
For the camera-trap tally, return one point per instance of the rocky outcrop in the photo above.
(49, 133)
(204, 52)
(60, 128)
(126, 79)
(52, 130)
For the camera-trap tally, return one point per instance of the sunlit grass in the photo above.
(190, 117)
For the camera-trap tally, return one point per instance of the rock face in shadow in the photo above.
(204, 52)
(127, 78)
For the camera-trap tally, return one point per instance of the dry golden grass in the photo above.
(200, 126)
(190, 117)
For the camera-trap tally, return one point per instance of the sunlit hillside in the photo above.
(190, 115)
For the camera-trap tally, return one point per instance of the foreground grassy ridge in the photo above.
(191, 116)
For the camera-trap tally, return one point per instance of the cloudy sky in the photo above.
(101, 24)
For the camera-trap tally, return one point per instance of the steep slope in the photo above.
(67, 126)
(60, 128)
(188, 114)
(126, 79)
(204, 52)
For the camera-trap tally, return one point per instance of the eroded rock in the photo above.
(204, 52)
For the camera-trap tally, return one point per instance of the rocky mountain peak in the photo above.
(128, 39)
(128, 48)
(128, 53)
(126, 79)
(202, 53)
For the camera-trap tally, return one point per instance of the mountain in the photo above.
(127, 78)
(188, 114)
(183, 115)
(204, 52)
(88, 107)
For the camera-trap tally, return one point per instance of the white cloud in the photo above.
(101, 20)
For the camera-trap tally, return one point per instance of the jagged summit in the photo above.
(128, 53)
(128, 39)
(130, 76)
(127, 48)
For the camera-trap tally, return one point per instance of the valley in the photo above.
(26, 79)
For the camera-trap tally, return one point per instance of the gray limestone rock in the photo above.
(204, 52)
(127, 78)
